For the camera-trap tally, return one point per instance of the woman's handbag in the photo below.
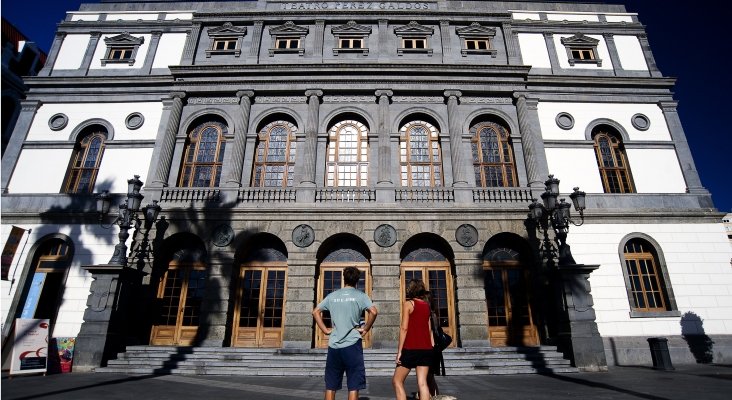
(442, 339)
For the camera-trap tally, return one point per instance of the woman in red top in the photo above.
(415, 341)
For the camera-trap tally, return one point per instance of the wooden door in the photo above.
(260, 305)
(330, 280)
(438, 281)
(510, 322)
(179, 299)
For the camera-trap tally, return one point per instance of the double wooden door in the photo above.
(331, 279)
(510, 321)
(438, 281)
(178, 306)
(260, 305)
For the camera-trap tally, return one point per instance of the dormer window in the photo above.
(477, 39)
(121, 49)
(414, 38)
(351, 38)
(582, 49)
(226, 39)
(288, 38)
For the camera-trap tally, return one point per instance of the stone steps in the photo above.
(310, 362)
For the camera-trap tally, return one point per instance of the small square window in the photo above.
(121, 49)
(120, 54)
(287, 43)
(224, 44)
(582, 49)
(350, 43)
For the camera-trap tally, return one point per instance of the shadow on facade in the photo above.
(700, 345)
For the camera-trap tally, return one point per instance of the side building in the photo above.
(284, 140)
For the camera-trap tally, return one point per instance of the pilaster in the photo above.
(173, 107)
(28, 110)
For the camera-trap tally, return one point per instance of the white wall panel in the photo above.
(602, 52)
(114, 113)
(132, 17)
(618, 18)
(170, 50)
(40, 171)
(585, 113)
(576, 17)
(101, 52)
(180, 16)
(119, 165)
(72, 51)
(630, 53)
(84, 17)
(656, 171)
(575, 167)
(533, 50)
(524, 16)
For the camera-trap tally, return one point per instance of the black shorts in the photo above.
(414, 358)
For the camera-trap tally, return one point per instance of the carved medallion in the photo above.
(222, 235)
(303, 235)
(466, 235)
(385, 235)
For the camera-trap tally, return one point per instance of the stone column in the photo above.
(150, 57)
(383, 41)
(307, 181)
(650, 60)
(174, 107)
(106, 325)
(28, 110)
(385, 294)
(319, 37)
(384, 182)
(58, 40)
(683, 152)
(471, 301)
(456, 136)
(552, 50)
(445, 36)
(189, 51)
(534, 154)
(614, 56)
(578, 336)
(256, 40)
(90, 49)
(241, 124)
(299, 325)
(510, 39)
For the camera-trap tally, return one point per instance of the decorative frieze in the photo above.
(349, 99)
(280, 99)
(213, 100)
(486, 100)
(418, 99)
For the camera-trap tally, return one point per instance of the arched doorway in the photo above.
(180, 292)
(428, 257)
(259, 302)
(508, 293)
(337, 253)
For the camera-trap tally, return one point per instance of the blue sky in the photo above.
(686, 48)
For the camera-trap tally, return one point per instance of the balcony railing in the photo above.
(350, 195)
(272, 195)
(425, 195)
(501, 195)
(190, 195)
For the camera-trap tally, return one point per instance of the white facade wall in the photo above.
(697, 260)
(575, 167)
(533, 50)
(119, 165)
(575, 17)
(656, 171)
(92, 245)
(132, 17)
(630, 53)
(602, 53)
(78, 16)
(101, 52)
(40, 171)
(618, 18)
(525, 16)
(183, 16)
(72, 52)
(170, 50)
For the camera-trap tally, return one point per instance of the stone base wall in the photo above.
(691, 349)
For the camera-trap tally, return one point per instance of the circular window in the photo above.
(565, 120)
(134, 120)
(58, 122)
(640, 122)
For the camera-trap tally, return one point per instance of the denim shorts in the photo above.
(349, 360)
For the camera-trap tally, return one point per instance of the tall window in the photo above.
(647, 288)
(348, 160)
(85, 163)
(204, 156)
(420, 155)
(613, 164)
(274, 165)
(51, 265)
(493, 161)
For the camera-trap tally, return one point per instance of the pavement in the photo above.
(686, 382)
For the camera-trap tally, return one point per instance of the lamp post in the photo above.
(556, 214)
(127, 216)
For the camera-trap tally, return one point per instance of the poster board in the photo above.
(30, 350)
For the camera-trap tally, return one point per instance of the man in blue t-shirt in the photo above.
(345, 351)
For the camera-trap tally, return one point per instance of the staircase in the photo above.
(311, 362)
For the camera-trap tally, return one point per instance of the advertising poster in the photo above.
(30, 351)
(61, 355)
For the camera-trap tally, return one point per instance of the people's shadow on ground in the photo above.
(700, 345)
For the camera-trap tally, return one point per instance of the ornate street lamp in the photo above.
(127, 216)
(556, 215)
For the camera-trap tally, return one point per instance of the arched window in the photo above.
(274, 164)
(420, 155)
(613, 163)
(85, 163)
(204, 156)
(646, 280)
(348, 159)
(493, 161)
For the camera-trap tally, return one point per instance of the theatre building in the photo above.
(281, 141)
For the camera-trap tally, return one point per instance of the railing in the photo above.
(419, 195)
(266, 196)
(352, 195)
(188, 195)
(502, 195)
